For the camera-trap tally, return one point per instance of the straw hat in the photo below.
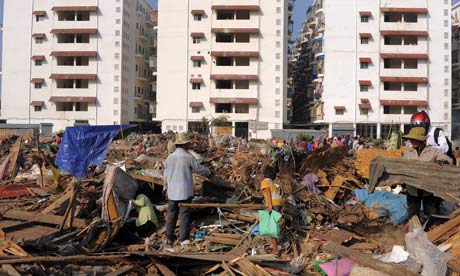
(416, 133)
(182, 139)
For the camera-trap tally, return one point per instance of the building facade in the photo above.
(223, 58)
(371, 64)
(69, 62)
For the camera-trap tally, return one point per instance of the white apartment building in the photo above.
(375, 63)
(70, 62)
(223, 57)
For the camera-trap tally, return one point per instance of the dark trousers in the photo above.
(431, 204)
(146, 228)
(183, 213)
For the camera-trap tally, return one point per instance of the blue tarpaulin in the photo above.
(385, 204)
(83, 146)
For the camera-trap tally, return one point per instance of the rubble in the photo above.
(55, 224)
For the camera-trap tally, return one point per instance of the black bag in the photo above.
(450, 152)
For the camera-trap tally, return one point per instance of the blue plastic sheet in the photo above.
(385, 203)
(83, 146)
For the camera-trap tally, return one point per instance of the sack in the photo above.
(268, 223)
(449, 152)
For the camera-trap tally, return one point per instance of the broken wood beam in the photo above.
(367, 261)
(226, 241)
(222, 205)
(44, 218)
(436, 234)
(240, 217)
(63, 259)
(162, 268)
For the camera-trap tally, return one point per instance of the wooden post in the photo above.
(69, 213)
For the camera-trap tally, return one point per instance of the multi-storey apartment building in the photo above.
(372, 64)
(68, 62)
(223, 57)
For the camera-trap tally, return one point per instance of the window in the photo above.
(364, 19)
(410, 40)
(410, 87)
(82, 61)
(243, 15)
(390, 109)
(277, 102)
(223, 108)
(446, 35)
(278, 10)
(197, 17)
(81, 122)
(117, 21)
(117, 32)
(38, 85)
(364, 88)
(277, 91)
(64, 106)
(224, 38)
(196, 109)
(277, 68)
(364, 65)
(446, 23)
(197, 63)
(37, 108)
(392, 86)
(196, 40)
(241, 61)
(83, 16)
(224, 84)
(277, 79)
(66, 16)
(82, 38)
(196, 86)
(224, 61)
(242, 108)
(64, 84)
(81, 106)
(38, 62)
(393, 17)
(39, 18)
(65, 61)
(364, 40)
(278, 44)
(410, 110)
(410, 64)
(393, 40)
(339, 112)
(225, 15)
(242, 84)
(242, 38)
(38, 40)
(392, 63)
(364, 112)
(410, 17)
(278, 56)
(446, 69)
(278, 32)
(81, 84)
(278, 22)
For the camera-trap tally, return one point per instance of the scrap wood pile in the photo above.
(42, 235)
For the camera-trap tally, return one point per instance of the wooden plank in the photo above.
(221, 240)
(9, 270)
(44, 218)
(121, 271)
(438, 232)
(335, 187)
(367, 261)
(63, 259)
(57, 203)
(222, 205)
(162, 268)
(14, 157)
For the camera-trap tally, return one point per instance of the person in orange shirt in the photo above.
(272, 197)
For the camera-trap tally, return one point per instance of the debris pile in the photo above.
(55, 224)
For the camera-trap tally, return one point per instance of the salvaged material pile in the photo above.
(75, 226)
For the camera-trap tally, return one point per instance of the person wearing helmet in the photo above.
(421, 119)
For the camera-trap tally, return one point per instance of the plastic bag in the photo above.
(268, 225)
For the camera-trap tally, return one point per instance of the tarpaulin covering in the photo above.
(83, 146)
(385, 204)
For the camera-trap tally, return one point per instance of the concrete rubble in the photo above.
(52, 224)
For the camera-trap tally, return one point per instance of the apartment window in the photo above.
(339, 112)
(410, 17)
(446, 92)
(278, 10)
(225, 15)
(393, 40)
(278, 32)
(241, 84)
(446, 23)
(277, 114)
(242, 38)
(278, 44)
(39, 18)
(38, 108)
(223, 108)
(446, 105)
(364, 112)
(83, 16)
(364, 65)
(196, 109)
(446, 46)
(117, 32)
(81, 106)
(392, 86)
(64, 106)
(364, 40)
(242, 108)
(364, 19)
(116, 89)
(410, 40)
(64, 84)
(277, 68)
(38, 40)
(393, 17)
(277, 79)
(117, 43)
(197, 17)
(241, 61)
(197, 63)
(277, 102)
(115, 112)
(278, 22)
(117, 56)
(38, 85)
(83, 61)
(278, 56)
(224, 84)
(410, 110)
(446, 116)
(81, 84)
(392, 110)
(410, 87)
(446, 81)
(66, 16)
(392, 63)
(224, 61)
(65, 61)
(446, 69)
(243, 15)
(277, 91)
(446, 35)
(118, 9)
(196, 86)
(224, 38)
(410, 64)
(364, 88)
(38, 62)
(196, 40)
(117, 21)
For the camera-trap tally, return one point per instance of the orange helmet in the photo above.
(420, 119)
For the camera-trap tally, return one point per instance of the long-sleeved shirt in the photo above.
(178, 174)
(145, 210)
(428, 154)
(442, 145)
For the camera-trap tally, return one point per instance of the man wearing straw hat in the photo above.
(179, 186)
(421, 152)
